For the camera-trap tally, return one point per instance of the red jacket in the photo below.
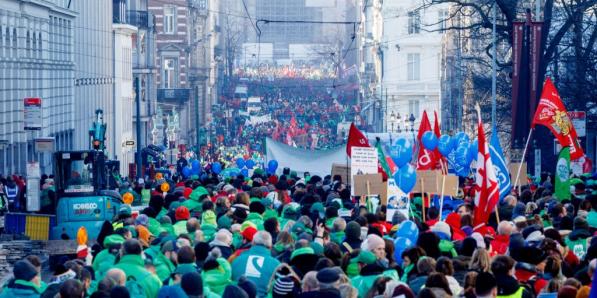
(500, 244)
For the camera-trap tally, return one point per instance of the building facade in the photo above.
(94, 70)
(36, 60)
(411, 54)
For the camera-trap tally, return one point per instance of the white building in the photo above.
(36, 60)
(411, 60)
(124, 98)
(94, 70)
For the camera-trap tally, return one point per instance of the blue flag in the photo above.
(499, 164)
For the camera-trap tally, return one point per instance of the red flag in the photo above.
(487, 191)
(552, 113)
(355, 139)
(426, 159)
(438, 157)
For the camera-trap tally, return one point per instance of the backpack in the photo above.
(134, 287)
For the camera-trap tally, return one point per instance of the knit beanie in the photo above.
(224, 222)
(23, 270)
(353, 231)
(192, 284)
(442, 228)
(182, 213)
(232, 291)
(285, 286)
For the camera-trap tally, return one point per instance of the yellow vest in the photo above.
(517, 294)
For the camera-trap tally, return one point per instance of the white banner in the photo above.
(363, 161)
(317, 162)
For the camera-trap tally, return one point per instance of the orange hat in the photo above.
(127, 198)
(144, 235)
(182, 213)
(165, 187)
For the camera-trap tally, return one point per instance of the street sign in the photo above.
(579, 121)
(44, 145)
(32, 113)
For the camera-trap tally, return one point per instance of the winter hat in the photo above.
(23, 270)
(580, 223)
(398, 218)
(302, 251)
(232, 291)
(182, 213)
(142, 219)
(353, 231)
(209, 217)
(257, 207)
(442, 228)
(248, 233)
(567, 291)
(328, 275)
(144, 235)
(285, 286)
(485, 283)
(192, 284)
(248, 286)
(187, 192)
(224, 222)
(113, 240)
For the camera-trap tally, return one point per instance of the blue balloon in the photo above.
(429, 140)
(195, 165)
(444, 145)
(402, 152)
(195, 171)
(250, 164)
(406, 178)
(216, 167)
(245, 172)
(473, 150)
(462, 155)
(240, 162)
(186, 172)
(400, 245)
(408, 229)
(272, 166)
(459, 138)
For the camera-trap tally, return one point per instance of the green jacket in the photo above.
(134, 266)
(168, 228)
(194, 203)
(154, 226)
(337, 237)
(45, 196)
(180, 227)
(21, 289)
(258, 265)
(217, 279)
(145, 196)
(364, 282)
(209, 231)
(103, 262)
(257, 219)
(163, 266)
(592, 218)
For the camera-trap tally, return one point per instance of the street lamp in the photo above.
(411, 119)
(399, 120)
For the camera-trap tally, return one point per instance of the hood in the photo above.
(197, 193)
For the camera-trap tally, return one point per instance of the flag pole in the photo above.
(524, 153)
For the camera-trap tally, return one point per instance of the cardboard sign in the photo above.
(343, 170)
(376, 185)
(522, 179)
(450, 186)
(428, 181)
(362, 161)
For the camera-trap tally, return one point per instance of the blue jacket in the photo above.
(257, 265)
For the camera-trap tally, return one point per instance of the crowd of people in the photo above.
(288, 236)
(307, 71)
(299, 113)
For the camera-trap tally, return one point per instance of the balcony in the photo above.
(173, 95)
(138, 18)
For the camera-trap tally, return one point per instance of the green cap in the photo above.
(302, 251)
(113, 240)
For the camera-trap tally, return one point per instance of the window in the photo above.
(414, 22)
(413, 107)
(414, 67)
(169, 19)
(169, 72)
(442, 16)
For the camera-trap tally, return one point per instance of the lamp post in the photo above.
(392, 120)
(399, 120)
